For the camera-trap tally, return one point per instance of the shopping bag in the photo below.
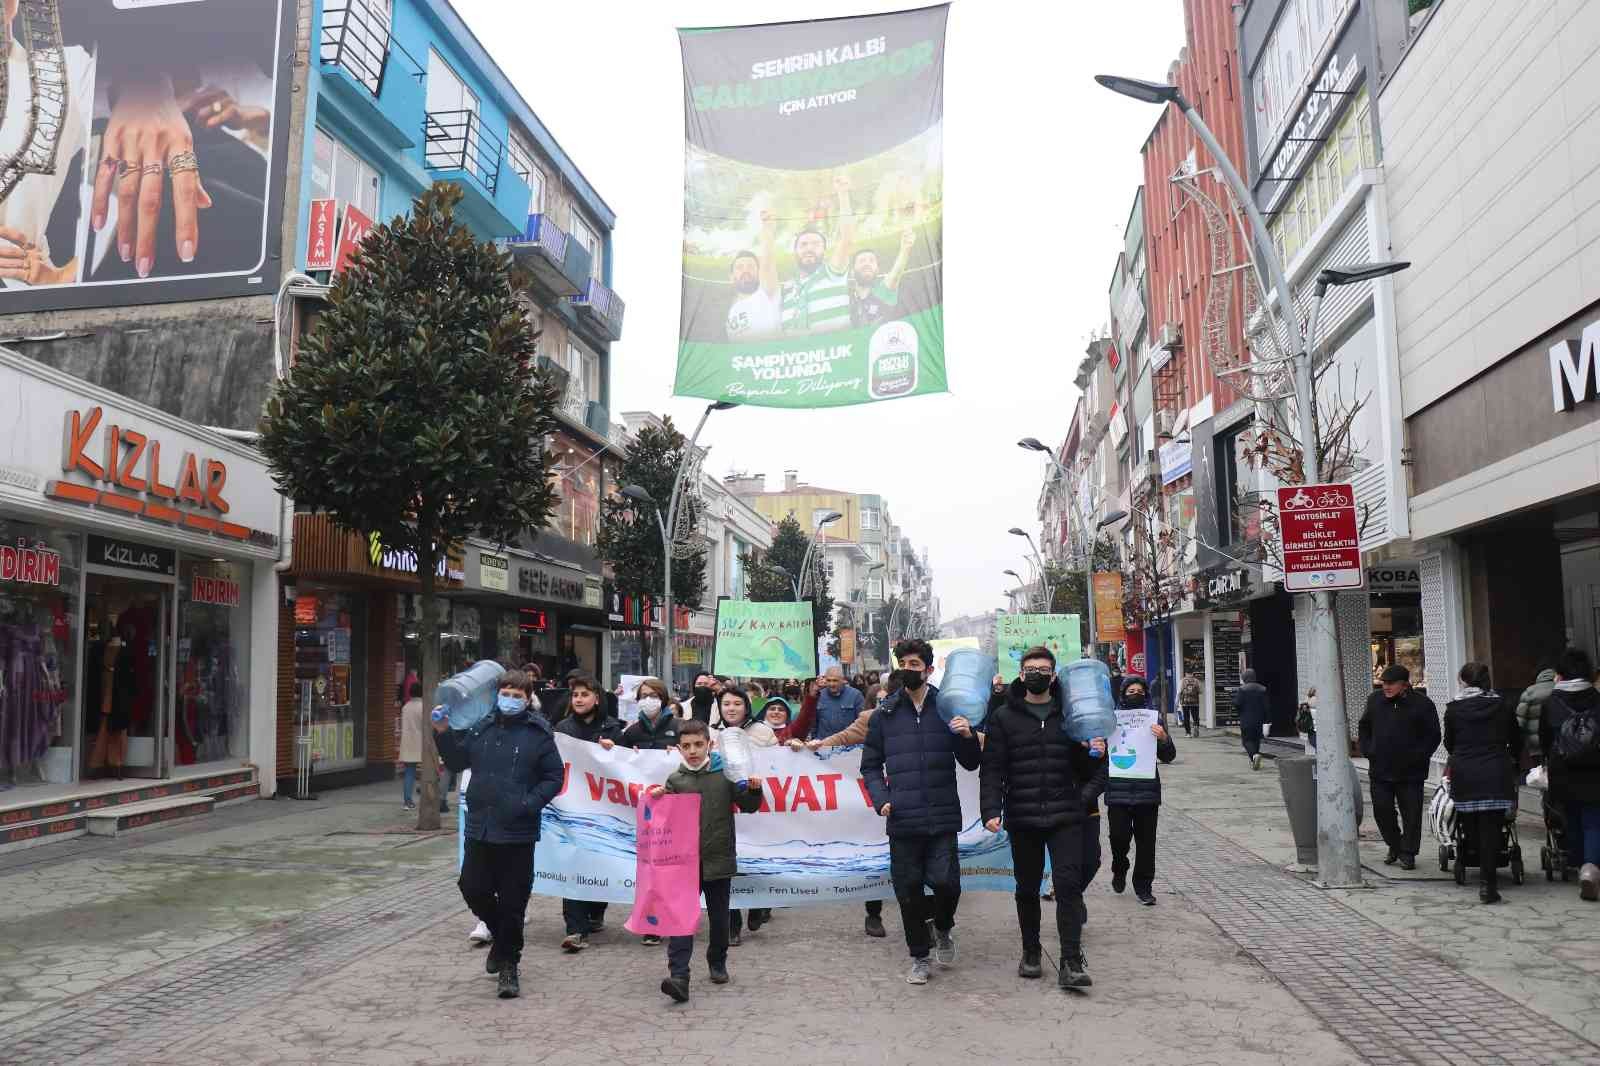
(666, 894)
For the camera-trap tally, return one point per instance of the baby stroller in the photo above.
(1458, 849)
(1553, 856)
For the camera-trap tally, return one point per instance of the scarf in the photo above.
(1573, 686)
(1467, 692)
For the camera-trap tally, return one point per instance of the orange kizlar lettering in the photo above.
(189, 490)
(166, 492)
(79, 430)
(216, 477)
(136, 442)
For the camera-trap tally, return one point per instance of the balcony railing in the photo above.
(459, 141)
(355, 38)
(601, 307)
(542, 249)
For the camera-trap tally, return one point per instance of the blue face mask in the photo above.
(511, 704)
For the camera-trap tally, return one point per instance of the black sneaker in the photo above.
(875, 926)
(1408, 862)
(677, 988)
(1391, 858)
(719, 974)
(1148, 899)
(1488, 895)
(734, 940)
(1074, 970)
(597, 926)
(510, 985)
(1119, 881)
(1029, 966)
(491, 963)
(757, 920)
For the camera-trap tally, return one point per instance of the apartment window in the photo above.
(337, 173)
(869, 518)
(827, 568)
(818, 514)
(456, 136)
(583, 368)
(874, 588)
(585, 235)
(522, 159)
(874, 552)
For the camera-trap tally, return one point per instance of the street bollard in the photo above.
(1297, 777)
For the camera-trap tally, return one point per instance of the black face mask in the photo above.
(910, 679)
(1036, 683)
(1134, 699)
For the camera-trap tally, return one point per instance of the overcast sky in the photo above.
(1041, 165)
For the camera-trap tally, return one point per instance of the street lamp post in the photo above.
(783, 572)
(1033, 444)
(1044, 583)
(816, 535)
(1338, 849)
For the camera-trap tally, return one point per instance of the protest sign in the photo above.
(1132, 748)
(667, 867)
(1016, 633)
(765, 639)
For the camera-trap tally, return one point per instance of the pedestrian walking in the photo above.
(1037, 782)
(516, 771)
(1133, 807)
(734, 705)
(718, 850)
(908, 762)
(1569, 734)
(1530, 708)
(588, 721)
(1254, 709)
(1399, 732)
(1189, 690)
(1305, 719)
(412, 717)
(1484, 740)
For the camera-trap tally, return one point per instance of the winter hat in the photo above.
(1395, 673)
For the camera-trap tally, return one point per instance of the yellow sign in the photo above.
(847, 645)
(1108, 607)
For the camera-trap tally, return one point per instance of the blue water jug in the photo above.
(468, 697)
(964, 690)
(1090, 711)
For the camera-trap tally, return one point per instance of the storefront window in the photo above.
(212, 720)
(39, 686)
(1396, 626)
(330, 639)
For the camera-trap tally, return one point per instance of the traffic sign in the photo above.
(1321, 539)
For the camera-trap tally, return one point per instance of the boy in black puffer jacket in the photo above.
(1038, 782)
(1133, 806)
(908, 763)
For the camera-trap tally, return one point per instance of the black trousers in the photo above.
(932, 861)
(581, 915)
(1065, 845)
(1138, 826)
(680, 949)
(1403, 834)
(1091, 849)
(495, 881)
(1191, 717)
(875, 908)
(1485, 828)
(1251, 735)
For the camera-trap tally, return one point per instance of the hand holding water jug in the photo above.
(1090, 712)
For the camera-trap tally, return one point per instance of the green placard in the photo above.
(1016, 633)
(765, 639)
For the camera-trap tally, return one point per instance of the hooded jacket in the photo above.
(909, 760)
(1529, 709)
(1484, 740)
(644, 734)
(1571, 784)
(1137, 792)
(1254, 708)
(1033, 775)
(1399, 736)
(516, 771)
(719, 840)
(595, 728)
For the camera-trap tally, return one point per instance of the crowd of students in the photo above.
(1038, 785)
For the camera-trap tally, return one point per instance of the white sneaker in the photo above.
(944, 948)
(920, 970)
(480, 934)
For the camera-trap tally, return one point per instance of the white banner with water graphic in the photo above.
(816, 838)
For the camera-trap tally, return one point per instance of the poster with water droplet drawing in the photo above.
(1132, 748)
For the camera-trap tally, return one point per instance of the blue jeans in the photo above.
(1583, 833)
(408, 781)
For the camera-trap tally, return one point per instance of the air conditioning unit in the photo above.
(1169, 336)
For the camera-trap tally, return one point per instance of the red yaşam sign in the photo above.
(1321, 538)
(351, 232)
(320, 245)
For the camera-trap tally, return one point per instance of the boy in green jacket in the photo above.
(702, 775)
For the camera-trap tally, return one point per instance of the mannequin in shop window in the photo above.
(112, 686)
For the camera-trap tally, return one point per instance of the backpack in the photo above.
(1578, 740)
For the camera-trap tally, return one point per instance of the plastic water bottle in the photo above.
(1091, 712)
(965, 688)
(738, 756)
(468, 697)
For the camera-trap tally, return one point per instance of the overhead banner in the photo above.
(765, 639)
(1016, 633)
(1108, 606)
(143, 150)
(816, 838)
(813, 214)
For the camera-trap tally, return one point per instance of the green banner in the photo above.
(813, 245)
(1016, 633)
(765, 639)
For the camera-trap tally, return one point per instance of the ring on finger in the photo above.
(124, 168)
(150, 169)
(182, 162)
(111, 162)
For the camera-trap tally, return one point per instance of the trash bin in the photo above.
(1297, 777)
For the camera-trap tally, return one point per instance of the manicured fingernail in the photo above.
(126, 251)
(99, 221)
(145, 263)
(186, 253)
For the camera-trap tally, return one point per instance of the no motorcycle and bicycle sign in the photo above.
(1321, 538)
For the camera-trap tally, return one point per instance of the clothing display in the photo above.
(38, 644)
(210, 702)
(31, 694)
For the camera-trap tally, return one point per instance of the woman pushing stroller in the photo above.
(1484, 740)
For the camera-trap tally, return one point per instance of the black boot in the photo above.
(1488, 893)
(875, 926)
(719, 973)
(491, 964)
(1029, 966)
(1074, 968)
(677, 988)
(510, 983)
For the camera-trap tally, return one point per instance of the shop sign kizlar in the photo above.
(183, 489)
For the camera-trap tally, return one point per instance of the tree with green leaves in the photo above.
(415, 412)
(630, 540)
(765, 585)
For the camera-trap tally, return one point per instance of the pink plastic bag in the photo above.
(666, 895)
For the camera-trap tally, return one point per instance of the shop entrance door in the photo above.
(126, 725)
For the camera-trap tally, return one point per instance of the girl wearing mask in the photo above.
(735, 707)
(656, 728)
